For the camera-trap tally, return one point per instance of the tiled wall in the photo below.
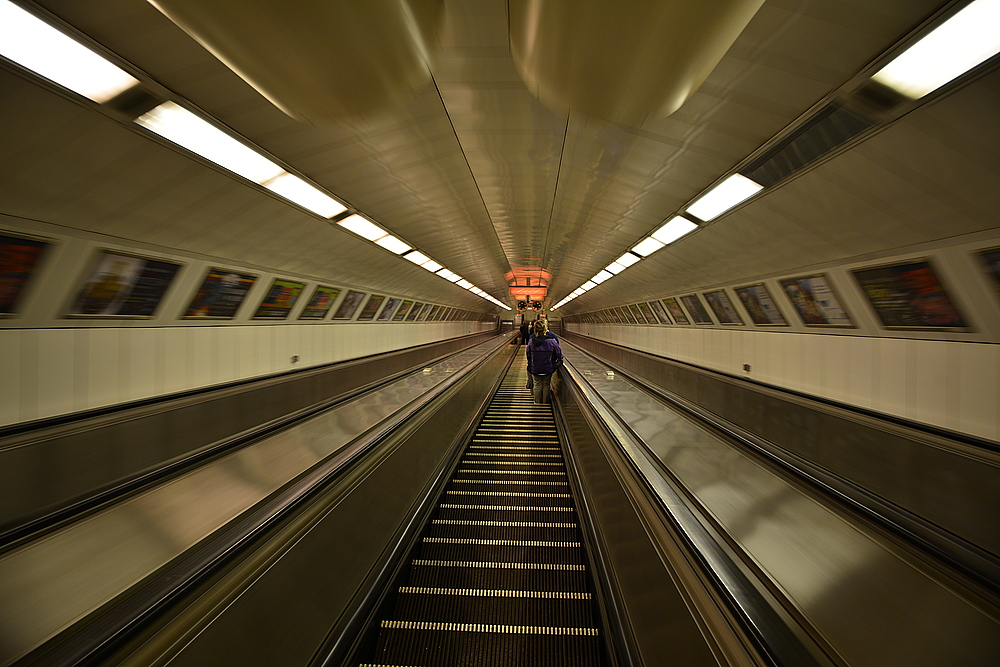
(49, 372)
(953, 385)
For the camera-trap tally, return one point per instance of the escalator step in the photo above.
(506, 551)
(476, 605)
(479, 645)
(491, 575)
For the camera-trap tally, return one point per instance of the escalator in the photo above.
(500, 575)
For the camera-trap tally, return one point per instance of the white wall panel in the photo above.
(140, 347)
(173, 359)
(55, 369)
(99, 349)
(10, 377)
(948, 384)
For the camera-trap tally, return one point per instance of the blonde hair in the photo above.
(541, 326)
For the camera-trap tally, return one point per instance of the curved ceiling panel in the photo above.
(626, 61)
(337, 58)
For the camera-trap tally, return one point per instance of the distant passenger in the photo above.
(525, 332)
(544, 357)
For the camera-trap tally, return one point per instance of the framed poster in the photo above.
(424, 312)
(279, 300)
(627, 315)
(696, 309)
(319, 304)
(434, 313)
(723, 308)
(19, 257)
(123, 285)
(220, 295)
(371, 307)
(675, 311)
(990, 260)
(909, 295)
(760, 306)
(404, 308)
(647, 312)
(615, 317)
(414, 312)
(390, 307)
(815, 302)
(349, 305)
(660, 311)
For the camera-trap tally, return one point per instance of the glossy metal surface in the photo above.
(45, 470)
(948, 484)
(873, 602)
(48, 584)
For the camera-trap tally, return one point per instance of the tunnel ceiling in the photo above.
(476, 172)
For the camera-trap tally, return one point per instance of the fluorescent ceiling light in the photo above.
(35, 45)
(417, 257)
(589, 285)
(614, 268)
(602, 276)
(294, 189)
(432, 266)
(392, 244)
(647, 246)
(177, 124)
(464, 283)
(953, 48)
(628, 259)
(727, 194)
(447, 275)
(673, 230)
(362, 227)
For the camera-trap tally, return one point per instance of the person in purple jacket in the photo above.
(544, 357)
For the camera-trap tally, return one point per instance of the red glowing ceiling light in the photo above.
(528, 291)
(537, 275)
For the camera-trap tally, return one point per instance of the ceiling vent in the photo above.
(833, 126)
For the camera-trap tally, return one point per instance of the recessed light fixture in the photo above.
(602, 276)
(392, 244)
(175, 123)
(647, 246)
(627, 260)
(417, 257)
(35, 45)
(724, 196)
(432, 266)
(296, 190)
(962, 42)
(362, 227)
(614, 268)
(673, 230)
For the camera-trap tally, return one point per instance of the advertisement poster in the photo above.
(123, 285)
(417, 307)
(758, 302)
(403, 310)
(424, 312)
(368, 312)
(675, 311)
(723, 308)
(19, 258)
(349, 305)
(434, 313)
(991, 263)
(279, 300)
(909, 296)
(390, 307)
(660, 311)
(319, 304)
(647, 312)
(696, 309)
(220, 294)
(815, 301)
(613, 314)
